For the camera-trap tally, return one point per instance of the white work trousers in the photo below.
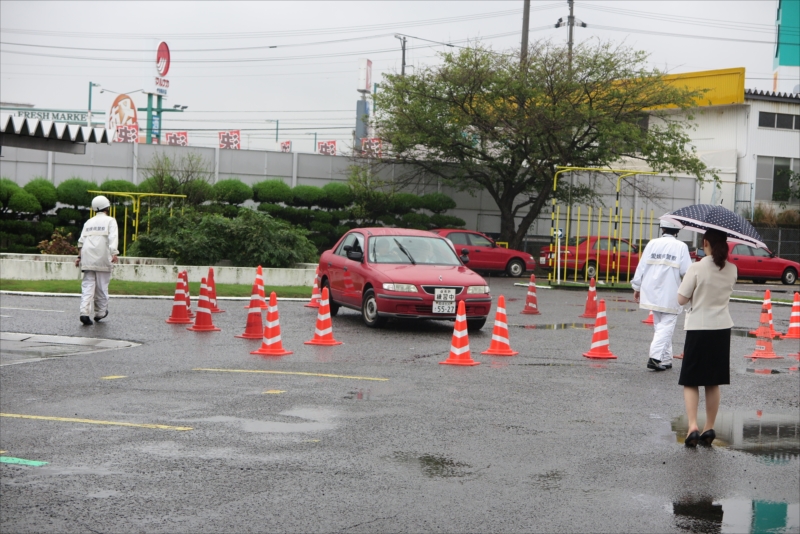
(94, 289)
(664, 326)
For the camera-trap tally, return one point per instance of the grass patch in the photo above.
(122, 287)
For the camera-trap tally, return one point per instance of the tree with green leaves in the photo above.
(483, 120)
(232, 191)
(44, 191)
(75, 192)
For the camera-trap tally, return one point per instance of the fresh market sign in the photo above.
(55, 116)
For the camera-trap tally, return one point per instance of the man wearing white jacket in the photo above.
(655, 287)
(98, 243)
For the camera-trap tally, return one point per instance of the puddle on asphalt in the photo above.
(705, 514)
(314, 420)
(740, 331)
(774, 436)
(561, 326)
(434, 466)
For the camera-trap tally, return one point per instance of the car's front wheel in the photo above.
(473, 325)
(334, 307)
(515, 268)
(369, 310)
(789, 276)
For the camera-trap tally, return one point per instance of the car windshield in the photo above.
(411, 250)
(572, 241)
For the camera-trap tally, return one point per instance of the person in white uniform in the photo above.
(98, 243)
(661, 266)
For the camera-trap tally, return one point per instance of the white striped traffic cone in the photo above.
(794, 320)
(315, 294)
(459, 346)
(599, 348)
(323, 333)
(272, 344)
(179, 314)
(202, 322)
(500, 345)
(531, 303)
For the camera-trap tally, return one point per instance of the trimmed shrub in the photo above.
(7, 188)
(231, 212)
(419, 221)
(258, 239)
(122, 186)
(447, 221)
(389, 220)
(272, 191)
(232, 191)
(160, 184)
(437, 202)
(321, 216)
(67, 215)
(74, 192)
(196, 191)
(44, 191)
(44, 230)
(272, 209)
(23, 202)
(321, 227)
(402, 203)
(337, 196)
(307, 196)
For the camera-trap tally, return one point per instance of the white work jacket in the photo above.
(98, 242)
(662, 264)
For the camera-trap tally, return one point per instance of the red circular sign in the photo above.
(162, 59)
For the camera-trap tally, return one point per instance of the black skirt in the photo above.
(706, 358)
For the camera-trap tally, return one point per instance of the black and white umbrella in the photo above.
(701, 217)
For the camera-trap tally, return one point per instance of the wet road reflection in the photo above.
(707, 515)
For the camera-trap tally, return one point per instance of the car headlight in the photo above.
(472, 290)
(406, 288)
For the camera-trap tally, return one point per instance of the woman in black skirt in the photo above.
(707, 288)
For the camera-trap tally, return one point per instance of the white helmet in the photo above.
(672, 224)
(100, 203)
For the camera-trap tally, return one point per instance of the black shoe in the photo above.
(85, 320)
(99, 317)
(692, 439)
(707, 437)
(656, 365)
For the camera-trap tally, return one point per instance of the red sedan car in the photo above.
(486, 256)
(601, 257)
(395, 272)
(759, 264)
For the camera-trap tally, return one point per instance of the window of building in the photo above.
(773, 177)
(780, 179)
(785, 121)
(797, 122)
(766, 120)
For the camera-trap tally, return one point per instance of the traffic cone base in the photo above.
(531, 302)
(203, 321)
(599, 349)
(590, 311)
(179, 314)
(272, 344)
(459, 346)
(649, 319)
(794, 320)
(499, 345)
(323, 332)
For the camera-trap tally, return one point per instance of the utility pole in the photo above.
(526, 15)
(403, 45)
(571, 21)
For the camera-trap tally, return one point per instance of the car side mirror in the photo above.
(464, 256)
(355, 255)
(771, 254)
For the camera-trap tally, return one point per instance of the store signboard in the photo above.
(364, 76)
(230, 139)
(327, 148)
(177, 138)
(371, 147)
(122, 113)
(128, 133)
(286, 146)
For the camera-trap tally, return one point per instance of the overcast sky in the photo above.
(308, 80)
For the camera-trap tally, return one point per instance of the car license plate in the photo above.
(542, 260)
(444, 307)
(442, 294)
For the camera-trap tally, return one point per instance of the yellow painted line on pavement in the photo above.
(274, 392)
(112, 377)
(94, 421)
(292, 373)
(3, 452)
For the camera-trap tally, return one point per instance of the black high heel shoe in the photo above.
(707, 437)
(692, 439)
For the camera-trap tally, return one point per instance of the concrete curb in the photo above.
(156, 297)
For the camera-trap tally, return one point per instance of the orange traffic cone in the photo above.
(459, 346)
(590, 311)
(768, 329)
(212, 292)
(258, 291)
(315, 295)
(323, 334)
(531, 304)
(649, 319)
(599, 348)
(794, 320)
(764, 339)
(272, 344)
(255, 326)
(203, 321)
(185, 276)
(499, 345)
(179, 314)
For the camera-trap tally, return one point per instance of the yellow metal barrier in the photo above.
(503, 244)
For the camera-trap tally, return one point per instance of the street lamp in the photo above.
(315, 139)
(277, 124)
(89, 115)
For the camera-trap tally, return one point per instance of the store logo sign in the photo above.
(162, 59)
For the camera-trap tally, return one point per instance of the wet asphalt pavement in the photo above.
(540, 442)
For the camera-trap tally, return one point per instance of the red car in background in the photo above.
(396, 272)
(601, 257)
(759, 264)
(486, 256)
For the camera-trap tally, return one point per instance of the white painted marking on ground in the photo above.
(30, 309)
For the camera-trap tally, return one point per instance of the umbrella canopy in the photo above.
(702, 217)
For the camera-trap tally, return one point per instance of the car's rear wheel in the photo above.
(515, 268)
(334, 307)
(789, 276)
(369, 310)
(473, 325)
(590, 270)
